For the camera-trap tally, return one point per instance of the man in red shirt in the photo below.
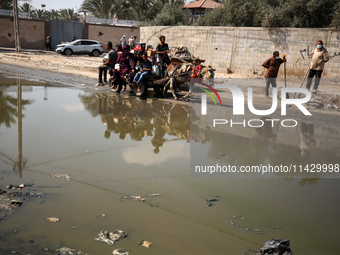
(272, 64)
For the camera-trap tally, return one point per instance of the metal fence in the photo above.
(117, 22)
(23, 15)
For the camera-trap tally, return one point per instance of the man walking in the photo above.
(272, 64)
(123, 41)
(108, 61)
(131, 42)
(319, 58)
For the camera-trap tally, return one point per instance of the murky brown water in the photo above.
(115, 145)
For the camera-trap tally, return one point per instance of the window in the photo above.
(89, 42)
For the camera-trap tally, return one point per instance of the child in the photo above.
(146, 68)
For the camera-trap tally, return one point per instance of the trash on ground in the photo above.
(53, 219)
(145, 244)
(69, 251)
(110, 237)
(209, 201)
(181, 52)
(65, 177)
(120, 251)
(276, 246)
(141, 198)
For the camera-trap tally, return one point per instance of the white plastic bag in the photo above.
(155, 70)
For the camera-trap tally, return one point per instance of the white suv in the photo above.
(81, 46)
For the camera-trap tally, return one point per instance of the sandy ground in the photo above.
(328, 99)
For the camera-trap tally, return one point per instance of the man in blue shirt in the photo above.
(145, 69)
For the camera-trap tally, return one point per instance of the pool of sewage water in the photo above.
(129, 166)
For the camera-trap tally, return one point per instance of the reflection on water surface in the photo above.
(117, 147)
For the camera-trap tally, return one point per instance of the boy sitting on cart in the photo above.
(145, 69)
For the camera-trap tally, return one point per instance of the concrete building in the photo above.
(199, 8)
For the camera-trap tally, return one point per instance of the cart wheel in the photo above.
(158, 89)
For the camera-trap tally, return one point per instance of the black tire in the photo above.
(143, 89)
(158, 89)
(116, 88)
(95, 53)
(110, 82)
(68, 52)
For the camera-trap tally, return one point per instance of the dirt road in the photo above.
(86, 67)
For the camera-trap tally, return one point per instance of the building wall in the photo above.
(32, 33)
(243, 50)
(104, 33)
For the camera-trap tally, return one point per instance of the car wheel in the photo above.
(68, 52)
(95, 53)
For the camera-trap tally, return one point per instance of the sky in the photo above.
(57, 4)
(61, 4)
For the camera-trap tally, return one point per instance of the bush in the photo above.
(172, 15)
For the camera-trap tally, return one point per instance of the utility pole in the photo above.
(16, 26)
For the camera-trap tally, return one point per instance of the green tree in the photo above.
(6, 4)
(67, 15)
(54, 14)
(99, 8)
(141, 10)
(26, 7)
(234, 13)
(336, 17)
(172, 15)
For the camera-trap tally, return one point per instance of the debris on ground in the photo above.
(53, 219)
(7, 201)
(110, 237)
(145, 244)
(145, 199)
(21, 186)
(324, 102)
(181, 52)
(69, 251)
(276, 247)
(65, 177)
(209, 201)
(120, 251)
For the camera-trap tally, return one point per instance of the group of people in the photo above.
(131, 41)
(319, 57)
(136, 65)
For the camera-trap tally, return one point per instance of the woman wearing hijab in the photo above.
(124, 68)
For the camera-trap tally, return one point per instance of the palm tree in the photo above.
(6, 4)
(99, 8)
(67, 14)
(40, 14)
(26, 7)
(54, 14)
(141, 10)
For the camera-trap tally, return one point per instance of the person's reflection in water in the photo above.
(307, 141)
(265, 132)
(158, 138)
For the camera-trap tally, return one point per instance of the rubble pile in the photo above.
(329, 103)
(110, 237)
(181, 52)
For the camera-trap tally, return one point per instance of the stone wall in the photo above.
(243, 50)
(104, 33)
(32, 33)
